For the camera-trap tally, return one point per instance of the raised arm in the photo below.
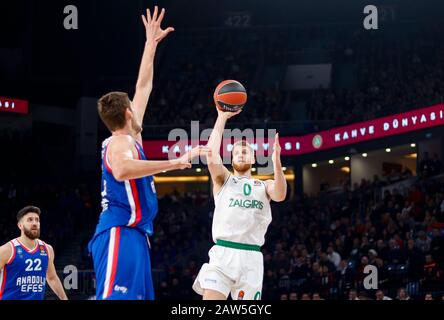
(154, 34)
(277, 188)
(124, 166)
(53, 279)
(219, 173)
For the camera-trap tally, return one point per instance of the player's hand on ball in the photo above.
(226, 114)
(152, 23)
(276, 149)
(184, 162)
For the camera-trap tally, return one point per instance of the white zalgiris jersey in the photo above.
(242, 211)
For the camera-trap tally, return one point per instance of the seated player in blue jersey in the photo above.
(27, 263)
(120, 246)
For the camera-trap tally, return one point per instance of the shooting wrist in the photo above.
(222, 119)
(277, 163)
(151, 46)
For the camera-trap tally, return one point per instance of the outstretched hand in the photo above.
(276, 149)
(226, 114)
(184, 162)
(154, 32)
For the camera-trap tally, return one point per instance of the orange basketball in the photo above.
(230, 95)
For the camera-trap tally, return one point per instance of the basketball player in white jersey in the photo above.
(241, 218)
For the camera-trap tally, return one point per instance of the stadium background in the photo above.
(308, 67)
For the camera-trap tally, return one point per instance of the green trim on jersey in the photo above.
(237, 245)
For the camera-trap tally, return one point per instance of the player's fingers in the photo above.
(145, 23)
(233, 113)
(148, 15)
(164, 33)
(155, 13)
(162, 13)
(276, 139)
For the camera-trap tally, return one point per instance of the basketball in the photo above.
(230, 96)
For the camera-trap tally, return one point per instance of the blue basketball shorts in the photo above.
(121, 257)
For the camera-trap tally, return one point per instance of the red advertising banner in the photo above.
(292, 146)
(13, 105)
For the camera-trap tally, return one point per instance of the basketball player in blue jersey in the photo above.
(120, 246)
(27, 263)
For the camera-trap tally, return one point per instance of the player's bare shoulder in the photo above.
(222, 178)
(121, 139)
(50, 249)
(5, 253)
(219, 181)
(121, 142)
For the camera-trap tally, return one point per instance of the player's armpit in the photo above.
(219, 177)
(218, 171)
